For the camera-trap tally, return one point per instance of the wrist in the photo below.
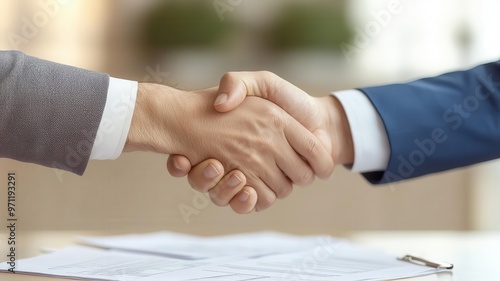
(151, 125)
(341, 136)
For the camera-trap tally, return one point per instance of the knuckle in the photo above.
(306, 176)
(266, 202)
(276, 118)
(312, 146)
(284, 192)
(267, 74)
(227, 76)
(265, 145)
(327, 169)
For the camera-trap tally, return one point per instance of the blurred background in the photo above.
(321, 46)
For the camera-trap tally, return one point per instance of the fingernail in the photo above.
(244, 196)
(234, 180)
(176, 165)
(210, 171)
(222, 98)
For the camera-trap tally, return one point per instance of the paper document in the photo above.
(98, 264)
(243, 257)
(329, 261)
(194, 247)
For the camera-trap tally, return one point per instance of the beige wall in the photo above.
(135, 192)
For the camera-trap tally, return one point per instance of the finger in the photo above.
(271, 185)
(205, 175)
(310, 148)
(244, 202)
(178, 165)
(231, 92)
(296, 168)
(280, 179)
(230, 185)
(235, 86)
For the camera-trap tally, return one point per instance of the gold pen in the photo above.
(425, 262)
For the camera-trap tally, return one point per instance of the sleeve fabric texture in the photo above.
(440, 123)
(50, 112)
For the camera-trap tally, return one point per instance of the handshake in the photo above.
(245, 142)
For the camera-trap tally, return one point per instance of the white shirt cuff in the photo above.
(116, 118)
(371, 145)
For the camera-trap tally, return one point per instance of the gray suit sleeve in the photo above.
(49, 113)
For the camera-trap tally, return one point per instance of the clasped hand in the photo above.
(248, 157)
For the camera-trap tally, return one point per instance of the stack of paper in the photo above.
(258, 256)
(185, 246)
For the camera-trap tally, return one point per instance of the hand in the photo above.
(259, 143)
(324, 117)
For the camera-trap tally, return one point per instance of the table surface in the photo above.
(475, 255)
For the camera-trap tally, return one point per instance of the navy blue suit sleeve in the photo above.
(440, 123)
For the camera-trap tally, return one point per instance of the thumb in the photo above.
(235, 86)
(231, 93)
